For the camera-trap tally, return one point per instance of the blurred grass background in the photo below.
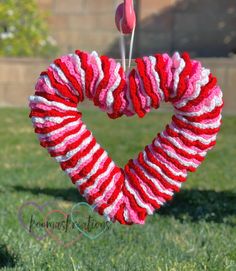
(196, 231)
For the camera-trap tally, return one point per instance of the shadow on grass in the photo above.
(208, 205)
(192, 204)
(70, 194)
(7, 259)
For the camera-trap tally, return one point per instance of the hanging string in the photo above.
(122, 48)
(131, 47)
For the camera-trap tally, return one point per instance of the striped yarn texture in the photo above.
(127, 195)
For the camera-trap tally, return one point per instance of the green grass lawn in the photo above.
(196, 231)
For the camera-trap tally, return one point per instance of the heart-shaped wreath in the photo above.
(147, 182)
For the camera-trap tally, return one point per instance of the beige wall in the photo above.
(81, 24)
(18, 77)
(198, 26)
(202, 27)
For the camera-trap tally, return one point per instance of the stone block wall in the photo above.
(205, 28)
(18, 77)
(202, 27)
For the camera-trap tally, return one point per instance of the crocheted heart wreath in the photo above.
(147, 182)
